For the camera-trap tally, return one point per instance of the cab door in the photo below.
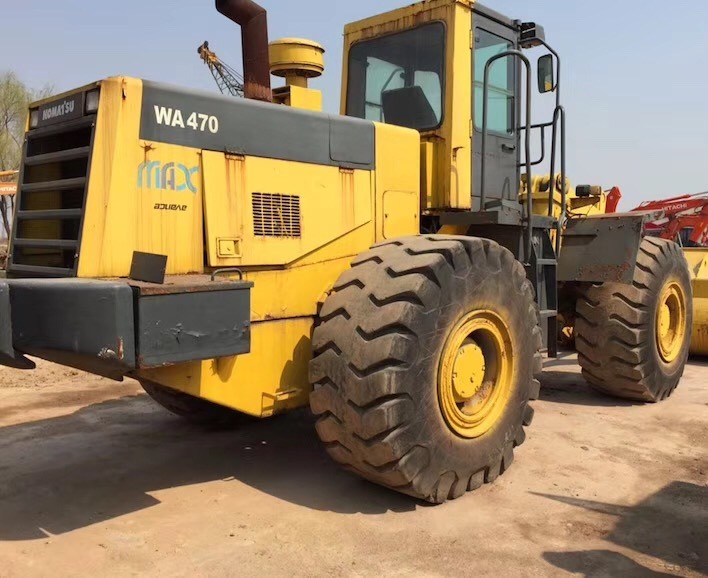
(491, 38)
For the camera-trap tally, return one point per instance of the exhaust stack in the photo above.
(253, 21)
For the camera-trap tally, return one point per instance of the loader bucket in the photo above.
(698, 264)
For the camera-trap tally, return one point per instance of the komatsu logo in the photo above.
(170, 176)
(66, 107)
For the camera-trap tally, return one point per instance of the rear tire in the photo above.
(633, 340)
(389, 395)
(193, 409)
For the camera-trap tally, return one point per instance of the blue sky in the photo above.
(635, 71)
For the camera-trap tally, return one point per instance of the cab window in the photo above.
(502, 78)
(399, 79)
(685, 236)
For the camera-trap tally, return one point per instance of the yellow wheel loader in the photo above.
(698, 265)
(257, 255)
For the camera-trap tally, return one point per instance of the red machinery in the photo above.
(613, 199)
(685, 219)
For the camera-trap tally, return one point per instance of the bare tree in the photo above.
(15, 98)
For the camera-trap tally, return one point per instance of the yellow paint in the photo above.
(333, 202)
(698, 266)
(428, 170)
(271, 379)
(576, 206)
(671, 322)
(121, 217)
(476, 374)
(343, 214)
(446, 175)
(457, 133)
(326, 215)
(296, 60)
(293, 292)
(401, 209)
(468, 372)
(586, 206)
(298, 97)
(398, 169)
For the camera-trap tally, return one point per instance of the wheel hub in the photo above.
(468, 373)
(476, 374)
(671, 322)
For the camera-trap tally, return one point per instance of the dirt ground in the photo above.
(95, 480)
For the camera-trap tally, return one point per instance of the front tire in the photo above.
(423, 365)
(633, 340)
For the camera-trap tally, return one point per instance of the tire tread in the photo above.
(362, 420)
(614, 328)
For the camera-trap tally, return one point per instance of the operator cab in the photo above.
(457, 72)
(413, 68)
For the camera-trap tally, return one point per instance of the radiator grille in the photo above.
(50, 199)
(276, 215)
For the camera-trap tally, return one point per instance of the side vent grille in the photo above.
(276, 215)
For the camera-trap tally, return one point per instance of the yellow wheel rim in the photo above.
(476, 374)
(671, 322)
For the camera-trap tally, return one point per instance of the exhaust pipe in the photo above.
(253, 21)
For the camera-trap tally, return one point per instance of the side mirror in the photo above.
(546, 74)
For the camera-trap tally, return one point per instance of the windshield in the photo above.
(398, 79)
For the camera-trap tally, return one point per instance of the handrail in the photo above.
(558, 119)
(543, 142)
(485, 130)
(559, 112)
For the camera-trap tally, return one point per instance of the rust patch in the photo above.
(253, 20)
(107, 354)
(699, 340)
(187, 284)
(420, 18)
(605, 273)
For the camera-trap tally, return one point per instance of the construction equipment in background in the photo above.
(8, 183)
(614, 196)
(684, 220)
(227, 78)
(378, 266)
(8, 190)
(698, 266)
(580, 201)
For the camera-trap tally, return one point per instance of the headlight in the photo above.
(34, 117)
(92, 99)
